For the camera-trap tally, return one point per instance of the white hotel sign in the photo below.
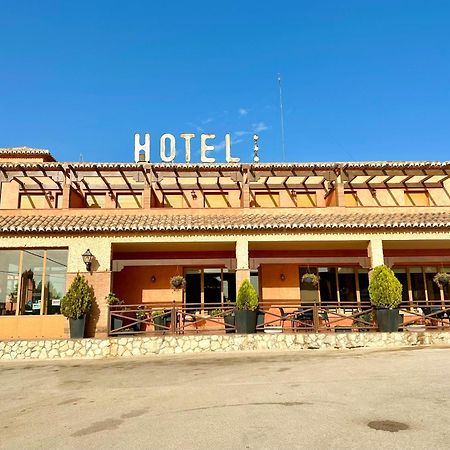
(168, 151)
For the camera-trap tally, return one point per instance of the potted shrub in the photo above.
(159, 319)
(177, 282)
(385, 293)
(112, 299)
(442, 279)
(75, 304)
(311, 278)
(246, 308)
(140, 315)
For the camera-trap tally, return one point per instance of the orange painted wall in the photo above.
(134, 284)
(32, 327)
(272, 287)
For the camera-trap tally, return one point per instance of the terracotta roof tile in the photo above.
(246, 221)
(25, 152)
(357, 165)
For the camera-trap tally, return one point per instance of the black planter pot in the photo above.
(388, 320)
(260, 317)
(246, 321)
(229, 320)
(116, 323)
(160, 322)
(77, 327)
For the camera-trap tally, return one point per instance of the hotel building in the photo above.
(216, 225)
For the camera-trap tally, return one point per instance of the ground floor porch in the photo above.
(33, 279)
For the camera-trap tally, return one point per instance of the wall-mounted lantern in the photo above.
(88, 257)
(153, 278)
(282, 276)
(194, 195)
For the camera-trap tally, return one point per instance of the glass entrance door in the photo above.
(209, 287)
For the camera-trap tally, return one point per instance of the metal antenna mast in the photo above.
(282, 119)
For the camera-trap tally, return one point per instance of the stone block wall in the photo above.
(158, 345)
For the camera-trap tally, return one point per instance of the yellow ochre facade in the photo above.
(216, 225)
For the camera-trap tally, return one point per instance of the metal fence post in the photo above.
(109, 319)
(316, 318)
(173, 319)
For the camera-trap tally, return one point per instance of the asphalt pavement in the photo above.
(348, 399)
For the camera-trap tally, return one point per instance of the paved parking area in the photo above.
(354, 399)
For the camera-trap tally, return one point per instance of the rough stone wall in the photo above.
(157, 345)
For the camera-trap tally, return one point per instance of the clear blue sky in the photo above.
(362, 79)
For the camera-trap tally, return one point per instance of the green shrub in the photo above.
(78, 299)
(384, 289)
(247, 298)
(112, 299)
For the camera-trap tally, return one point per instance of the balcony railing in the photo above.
(273, 317)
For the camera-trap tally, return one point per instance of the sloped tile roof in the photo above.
(247, 221)
(26, 152)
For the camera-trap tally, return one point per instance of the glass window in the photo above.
(402, 276)
(31, 287)
(95, 200)
(55, 279)
(446, 288)
(254, 280)
(9, 281)
(363, 281)
(417, 284)
(347, 284)
(209, 286)
(266, 200)
(433, 291)
(328, 286)
(229, 286)
(129, 201)
(217, 200)
(212, 286)
(193, 292)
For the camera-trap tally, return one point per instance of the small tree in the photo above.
(384, 289)
(247, 298)
(78, 299)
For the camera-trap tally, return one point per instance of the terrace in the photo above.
(176, 319)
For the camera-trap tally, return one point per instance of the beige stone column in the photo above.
(100, 278)
(242, 265)
(375, 252)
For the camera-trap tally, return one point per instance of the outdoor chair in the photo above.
(304, 318)
(325, 319)
(286, 316)
(436, 314)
